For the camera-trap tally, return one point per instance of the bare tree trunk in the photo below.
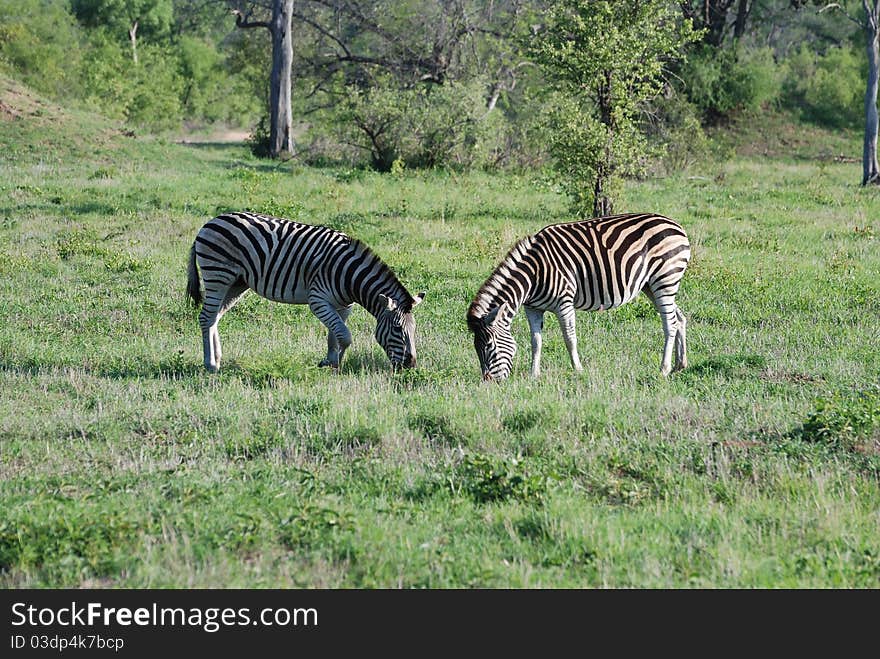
(870, 170)
(742, 14)
(603, 204)
(280, 112)
(132, 35)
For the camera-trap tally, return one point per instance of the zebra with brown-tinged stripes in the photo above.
(296, 263)
(590, 265)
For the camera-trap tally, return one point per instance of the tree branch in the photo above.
(843, 11)
(243, 20)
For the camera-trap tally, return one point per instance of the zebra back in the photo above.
(594, 264)
(283, 260)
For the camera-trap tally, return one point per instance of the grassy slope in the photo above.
(123, 464)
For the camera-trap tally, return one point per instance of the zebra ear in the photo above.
(389, 302)
(418, 298)
(492, 314)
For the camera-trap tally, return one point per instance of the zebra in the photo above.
(297, 263)
(589, 265)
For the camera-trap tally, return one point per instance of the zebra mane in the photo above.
(493, 292)
(395, 289)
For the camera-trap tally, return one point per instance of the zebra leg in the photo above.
(208, 319)
(536, 324)
(567, 323)
(681, 361)
(233, 295)
(331, 318)
(333, 354)
(665, 306)
(673, 328)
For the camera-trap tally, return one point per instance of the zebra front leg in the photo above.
(567, 323)
(333, 350)
(331, 318)
(536, 325)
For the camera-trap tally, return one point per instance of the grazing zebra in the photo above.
(286, 261)
(591, 265)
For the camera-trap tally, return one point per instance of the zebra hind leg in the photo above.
(569, 335)
(680, 341)
(219, 298)
(666, 308)
(334, 355)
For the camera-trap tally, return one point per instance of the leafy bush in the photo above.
(845, 420)
(41, 43)
(674, 127)
(146, 94)
(724, 81)
(422, 126)
(829, 89)
(487, 478)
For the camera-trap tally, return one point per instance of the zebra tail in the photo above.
(193, 285)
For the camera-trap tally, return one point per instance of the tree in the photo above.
(870, 170)
(606, 59)
(870, 25)
(412, 80)
(278, 23)
(130, 16)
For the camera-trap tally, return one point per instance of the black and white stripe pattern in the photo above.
(298, 263)
(591, 265)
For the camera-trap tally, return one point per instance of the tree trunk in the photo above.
(280, 112)
(742, 15)
(602, 203)
(132, 35)
(870, 170)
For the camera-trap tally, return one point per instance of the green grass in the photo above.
(122, 463)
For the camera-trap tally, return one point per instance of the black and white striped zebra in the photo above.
(287, 261)
(590, 265)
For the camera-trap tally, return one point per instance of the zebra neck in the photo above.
(369, 277)
(510, 283)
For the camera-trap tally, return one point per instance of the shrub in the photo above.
(721, 82)
(487, 478)
(829, 89)
(845, 420)
(40, 41)
(422, 126)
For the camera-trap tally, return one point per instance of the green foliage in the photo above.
(846, 420)
(606, 60)
(41, 43)
(422, 126)
(829, 88)
(153, 17)
(145, 94)
(488, 478)
(674, 126)
(723, 81)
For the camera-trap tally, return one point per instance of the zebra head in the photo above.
(396, 330)
(494, 342)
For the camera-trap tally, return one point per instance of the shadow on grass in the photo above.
(171, 369)
(727, 365)
(369, 362)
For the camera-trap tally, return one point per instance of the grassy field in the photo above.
(122, 463)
